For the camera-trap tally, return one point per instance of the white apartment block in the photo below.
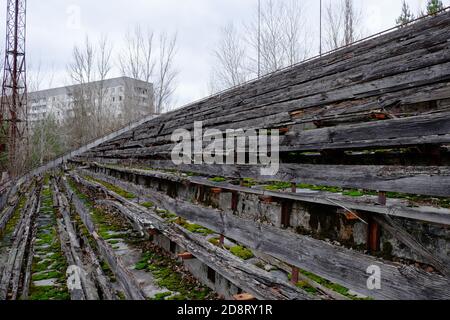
(120, 96)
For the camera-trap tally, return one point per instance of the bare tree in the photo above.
(81, 72)
(102, 116)
(296, 37)
(166, 73)
(343, 24)
(334, 25)
(136, 61)
(269, 37)
(281, 37)
(231, 62)
(139, 61)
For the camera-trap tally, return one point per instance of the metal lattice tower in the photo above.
(13, 112)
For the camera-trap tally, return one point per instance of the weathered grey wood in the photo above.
(126, 279)
(432, 181)
(67, 232)
(242, 274)
(392, 55)
(337, 264)
(396, 132)
(403, 236)
(394, 207)
(427, 129)
(9, 283)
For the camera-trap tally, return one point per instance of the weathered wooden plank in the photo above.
(433, 128)
(394, 207)
(126, 279)
(245, 276)
(340, 265)
(433, 181)
(404, 44)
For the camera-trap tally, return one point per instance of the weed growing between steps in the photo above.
(414, 200)
(12, 223)
(168, 274)
(86, 234)
(116, 189)
(327, 284)
(171, 275)
(237, 250)
(49, 265)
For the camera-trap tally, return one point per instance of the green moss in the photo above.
(214, 241)
(330, 285)
(47, 276)
(50, 263)
(248, 182)
(194, 228)
(12, 223)
(218, 179)
(148, 205)
(307, 287)
(48, 293)
(353, 193)
(162, 269)
(162, 295)
(141, 265)
(112, 187)
(278, 186)
(242, 252)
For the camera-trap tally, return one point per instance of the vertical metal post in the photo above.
(320, 36)
(259, 38)
(13, 104)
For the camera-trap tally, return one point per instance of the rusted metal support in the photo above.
(244, 297)
(153, 232)
(294, 275)
(216, 190)
(294, 188)
(382, 198)
(286, 210)
(266, 199)
(186, 256)
(283, 130)
(373, 240)
(234, 201)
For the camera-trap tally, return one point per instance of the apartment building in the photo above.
(119, 96)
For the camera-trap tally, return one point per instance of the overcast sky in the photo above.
(52, 32)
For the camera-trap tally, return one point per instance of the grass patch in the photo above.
(218, 179)
(162, 295)
(307, 287)
(278, 186)
(113, 188)
(162, 268)
(49, 263)
(12, 223)
(148, 205)
(48, 293)
(242, 252)
(194, 228)
(333, 286)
